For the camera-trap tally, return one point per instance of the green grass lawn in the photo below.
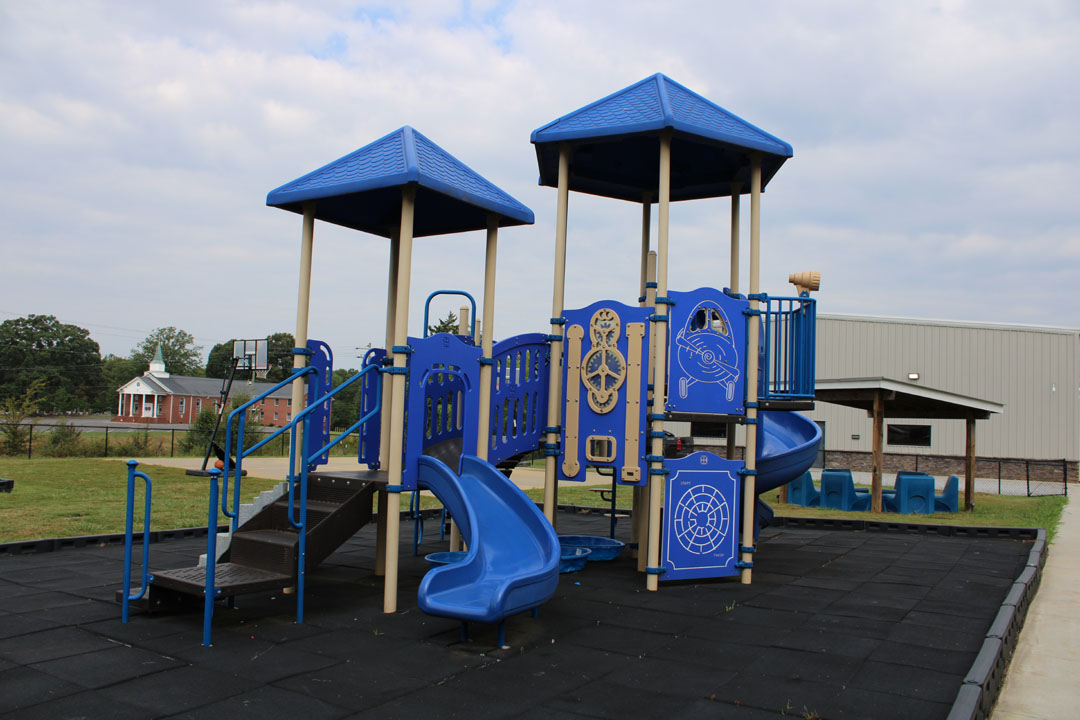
(72, 497)
(67, 497)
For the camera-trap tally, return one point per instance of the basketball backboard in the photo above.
(251, 355)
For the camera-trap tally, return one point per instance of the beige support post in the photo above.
(303, 302)
(750, 454)
(736, 193)
(656, 482)
(483, 422)
(646, 222)
(969, 464)
(397, 407)
(641, 494)
(551, 491)
(384, 412)
(463, 320)
(878, 454)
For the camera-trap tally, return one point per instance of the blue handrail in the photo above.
(212, 592)
(234, 514)
(128, 521)
(427, 306)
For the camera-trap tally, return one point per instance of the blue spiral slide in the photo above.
(513, 560)
(787, 444)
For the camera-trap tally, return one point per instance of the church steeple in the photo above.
(157, 365)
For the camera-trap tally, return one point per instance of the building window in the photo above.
(275, 417)
(198, 405)
(182, 405)
(275, 404)
(914, 435)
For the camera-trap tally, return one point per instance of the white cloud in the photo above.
(935, 167)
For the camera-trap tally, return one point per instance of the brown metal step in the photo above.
(229, 578)
(268, 550)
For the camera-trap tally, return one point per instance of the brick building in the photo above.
(157, 396)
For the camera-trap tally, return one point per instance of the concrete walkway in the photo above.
(1040, 683)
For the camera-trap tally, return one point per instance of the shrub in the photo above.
(64, 441)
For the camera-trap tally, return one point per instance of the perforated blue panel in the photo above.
(518, 395)
(442, 401)
(610, 420)
(317, 432)
(701, 517)
(371, 431)
(707, 353)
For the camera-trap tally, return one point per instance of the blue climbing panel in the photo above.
(519, 392)
(707, 353)
(701, 517)
(442, 401)
(371, 431)
(317, 433)
(603, 342)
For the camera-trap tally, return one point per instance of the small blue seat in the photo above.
(949, 499)
(914, 494)
(838, 491)
(801, 491)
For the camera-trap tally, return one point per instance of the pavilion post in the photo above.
(551, 491)
(303, 302)
(969, 464)
(659, 375)
(879, 428)
(750, 455)
(736, 191)
(483, 422)
(384, 411)
(397, 408)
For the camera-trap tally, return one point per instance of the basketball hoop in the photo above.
(251, 356)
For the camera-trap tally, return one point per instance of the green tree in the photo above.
(182, 356)
(116, 371)
(279, 353)
(219, 362)
(15, 410)
(62, 356)
(346, 409)
(448, 324)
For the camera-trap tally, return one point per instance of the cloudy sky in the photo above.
(936, 169)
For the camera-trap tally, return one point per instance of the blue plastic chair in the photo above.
(838, 491)
(914, 494)
(801, 491)
(949, 499)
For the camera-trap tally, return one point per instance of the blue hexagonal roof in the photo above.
(615, 144)
(362, 190)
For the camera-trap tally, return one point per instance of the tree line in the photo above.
(60, 369)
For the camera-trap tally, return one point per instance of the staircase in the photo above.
(264, 550)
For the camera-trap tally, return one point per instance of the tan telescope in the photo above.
(805, 281)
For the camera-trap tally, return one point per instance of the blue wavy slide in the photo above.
(787, 445)
(513, 560)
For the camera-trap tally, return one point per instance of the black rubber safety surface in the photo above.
(837, 624)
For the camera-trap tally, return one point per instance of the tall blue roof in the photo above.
(615, 144)
(362, 190)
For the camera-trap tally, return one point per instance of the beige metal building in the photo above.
(1033, 371)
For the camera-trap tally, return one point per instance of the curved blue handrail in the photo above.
(128, 521)
(427, 307)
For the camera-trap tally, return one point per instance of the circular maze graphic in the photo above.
(702, 519)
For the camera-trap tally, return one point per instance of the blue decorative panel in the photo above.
(317, 430)
(519, 393)
(701, 517)
(371, 431)
(441, 401)
(706, 353)
(603, 414)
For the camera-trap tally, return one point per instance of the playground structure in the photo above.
(443, 413)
